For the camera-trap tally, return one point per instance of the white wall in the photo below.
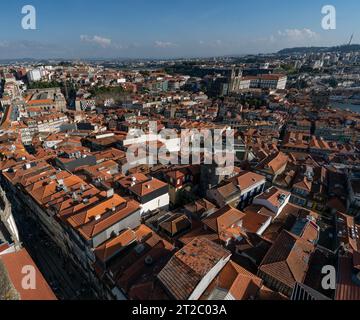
(160, 202)
(208, 278)
(13, 227)
(132, 221)
(51, 144)
(270, 206)
(11, 249)
(262, 182)
(34, 75)
(264, 227)
(7, 217)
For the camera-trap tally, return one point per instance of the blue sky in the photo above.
(170, 28)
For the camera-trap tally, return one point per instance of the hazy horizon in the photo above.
(180, 29)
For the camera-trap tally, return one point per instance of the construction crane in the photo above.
(351, 39)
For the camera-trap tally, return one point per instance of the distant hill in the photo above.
(302, 50)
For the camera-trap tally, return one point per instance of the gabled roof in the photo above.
(199, 207)
(91, 226)
(235, 280)
(272, 196)
(189, 265)
(99, 209)
(147, 187)
(108, 154)
(228, 190)
(176, 224)
(48, 189)
(113, 246)
(247, 179)
(287, 261)
(274, 162)
(223, 219)
(253, 221)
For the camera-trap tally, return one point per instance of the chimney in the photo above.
(110, 193)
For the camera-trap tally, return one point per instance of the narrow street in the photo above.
(61, 275)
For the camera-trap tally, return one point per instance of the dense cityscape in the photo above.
(233, 177)
(97, 226)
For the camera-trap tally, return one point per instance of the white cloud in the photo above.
(298, 34)
(212, 43)
(100, 41)
(164, 44)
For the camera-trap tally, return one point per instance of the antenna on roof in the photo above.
(74, 196)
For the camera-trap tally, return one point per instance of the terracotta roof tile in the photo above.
(253, 221)
(224, 218)
(115, 245)
(235, 280)
(272, 195)
(189, 265)
(14, 263)
(247, 179)
(147, 187)
(287, 261)
(346, 288)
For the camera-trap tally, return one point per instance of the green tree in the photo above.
(44, 85)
